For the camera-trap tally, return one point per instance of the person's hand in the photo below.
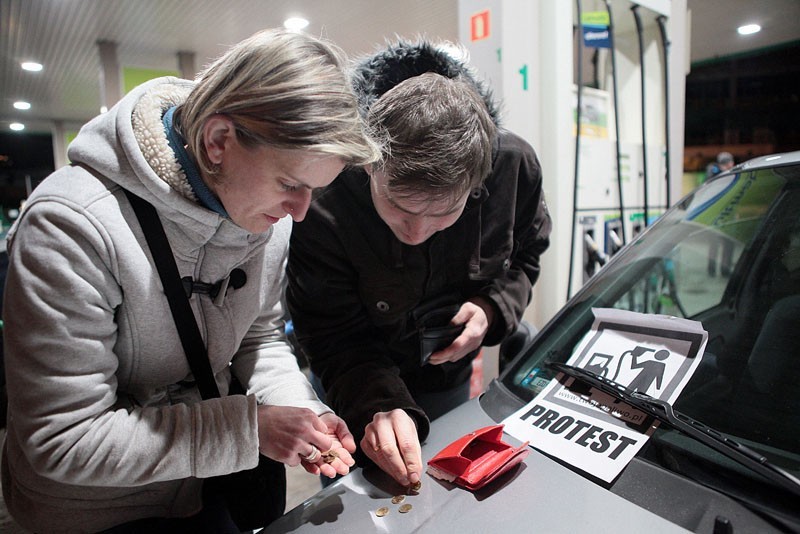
(288, 434)
(339, 455)
(476, 315)
(391, 441)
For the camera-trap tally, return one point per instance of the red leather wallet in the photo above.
(474, 460)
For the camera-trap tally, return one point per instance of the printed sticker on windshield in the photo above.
(592, 429)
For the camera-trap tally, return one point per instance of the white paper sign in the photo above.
(654, 354)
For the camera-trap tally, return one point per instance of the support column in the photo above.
(110, 74)
(186, 65)
(679, 62)
(59, 134)
(523, 49)
(556, 149)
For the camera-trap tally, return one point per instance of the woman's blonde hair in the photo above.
(284, 89)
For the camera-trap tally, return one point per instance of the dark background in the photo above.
(748, 105)
(22, 155)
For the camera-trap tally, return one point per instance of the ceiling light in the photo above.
(22, 105)
(17, 126)
(295, 23)
(748, 29)
(32, 66)
(455, 51)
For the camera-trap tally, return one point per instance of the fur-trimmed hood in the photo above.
(376, 74)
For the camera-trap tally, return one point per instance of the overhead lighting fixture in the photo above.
(32, 66)
(295, 24)
(17, 126)
(748, 29)
(457, 52)
(22, 105)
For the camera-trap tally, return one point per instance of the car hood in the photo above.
(538, 495)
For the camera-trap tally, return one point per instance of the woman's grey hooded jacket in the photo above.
(105, 423)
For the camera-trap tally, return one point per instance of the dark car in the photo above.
(725, 457)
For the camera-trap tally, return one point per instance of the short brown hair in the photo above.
(437, 136)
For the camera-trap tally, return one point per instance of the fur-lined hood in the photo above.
(376, 74)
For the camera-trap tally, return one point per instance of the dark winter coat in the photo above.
(353, 286)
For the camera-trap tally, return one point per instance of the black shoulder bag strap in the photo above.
(182, 313)
(254, 497)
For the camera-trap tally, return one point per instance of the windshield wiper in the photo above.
(663, 411)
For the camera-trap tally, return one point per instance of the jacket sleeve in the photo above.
(72, 422)
(265, 362)
(516, 162)
(345, 350)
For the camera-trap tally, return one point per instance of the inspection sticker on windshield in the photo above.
(593, 430)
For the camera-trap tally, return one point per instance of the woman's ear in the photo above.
(218, 132)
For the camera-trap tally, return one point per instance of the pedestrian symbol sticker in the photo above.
(592, 430)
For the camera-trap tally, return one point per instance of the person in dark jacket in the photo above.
(442, 238)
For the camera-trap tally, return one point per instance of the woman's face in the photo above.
(258, 186)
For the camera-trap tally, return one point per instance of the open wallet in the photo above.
(432, 320)
(474, 460)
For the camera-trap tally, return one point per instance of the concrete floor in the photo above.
(299, 486)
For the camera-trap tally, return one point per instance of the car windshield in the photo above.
(728, 256)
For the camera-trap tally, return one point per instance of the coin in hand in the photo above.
(330, 456)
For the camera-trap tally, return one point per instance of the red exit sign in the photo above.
(479, 26)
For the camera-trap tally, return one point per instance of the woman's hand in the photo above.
(295, 436)
(338, 459)
(287, 434)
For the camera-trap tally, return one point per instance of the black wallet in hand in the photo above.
(434, 328)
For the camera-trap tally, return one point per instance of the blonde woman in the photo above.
(107, 429)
